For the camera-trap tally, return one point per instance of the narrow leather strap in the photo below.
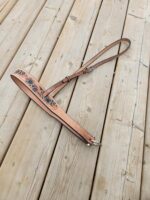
(44, 98)
(87, 67)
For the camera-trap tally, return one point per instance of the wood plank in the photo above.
(14, 29)
(32, 58)
(72, 168)
(5, 8)
(134, 166)
(118, 172)
(145, 192)
(75, 163)
(28, 157)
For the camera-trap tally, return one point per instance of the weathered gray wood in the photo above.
(118, 173)
(70, 175)
(145, 191)
(5, 8)
(135, 155)
(32, 56)
(32, 147)
(14, 29)
(71, 170)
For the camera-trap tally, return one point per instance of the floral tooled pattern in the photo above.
(38, 90)
(49, 101)
(30, 82)
(18, 71)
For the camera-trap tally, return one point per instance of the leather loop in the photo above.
(87, 67)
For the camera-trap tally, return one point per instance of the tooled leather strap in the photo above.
(35, 91)
(44, 98)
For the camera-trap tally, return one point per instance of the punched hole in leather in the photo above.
(44, 98)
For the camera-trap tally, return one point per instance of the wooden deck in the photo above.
(40, 159)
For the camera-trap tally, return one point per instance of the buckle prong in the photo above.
(96, 143)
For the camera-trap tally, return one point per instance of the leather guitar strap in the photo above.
(44, 98)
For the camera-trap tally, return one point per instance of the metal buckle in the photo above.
(88, 69)
(66, 79)
(94, 142)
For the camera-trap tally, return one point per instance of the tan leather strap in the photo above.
(87, 67)
(44, 98)
(35, 91)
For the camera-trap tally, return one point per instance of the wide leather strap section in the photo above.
(35, 91)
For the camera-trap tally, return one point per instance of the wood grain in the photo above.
(40, 159)
(37, 134)
(118, 173)
(145, 192)
(72, 178)
(14, 29)
(33, 59)
(5, 8)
